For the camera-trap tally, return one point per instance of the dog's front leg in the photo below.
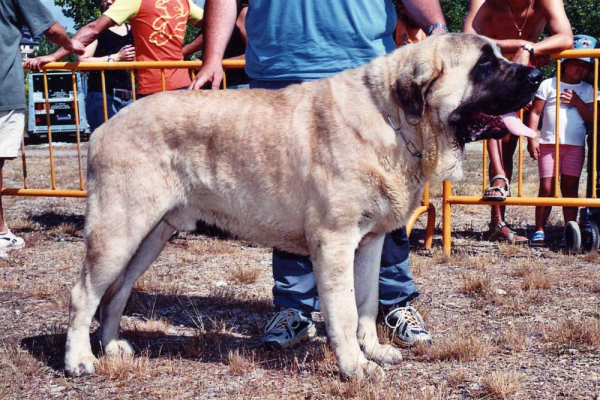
(366, 282)
(333, 259)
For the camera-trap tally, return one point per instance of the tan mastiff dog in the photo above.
(324, 168)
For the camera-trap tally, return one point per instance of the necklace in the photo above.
(513, 18)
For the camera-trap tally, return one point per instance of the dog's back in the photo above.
(209, 156)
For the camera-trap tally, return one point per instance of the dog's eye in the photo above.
(485, 62)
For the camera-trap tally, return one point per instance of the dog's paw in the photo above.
(80, 366)
(118, 347)
(370, 370)
(383, 354)
(363, 370)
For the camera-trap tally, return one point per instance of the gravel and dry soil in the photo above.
(507, 321)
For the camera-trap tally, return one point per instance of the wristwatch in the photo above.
(110, 58)
(529, 48)
(435, 26)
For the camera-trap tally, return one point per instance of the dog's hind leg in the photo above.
(112, 240)
(333, 260)
(366, 283)
(114, 301)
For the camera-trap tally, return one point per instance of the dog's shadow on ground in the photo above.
(219, 325)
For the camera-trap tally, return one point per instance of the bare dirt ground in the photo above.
(507, 321)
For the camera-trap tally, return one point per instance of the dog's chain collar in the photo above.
(412, 149)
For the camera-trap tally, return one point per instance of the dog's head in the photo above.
(451, 86)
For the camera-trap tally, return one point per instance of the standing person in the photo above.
(158, 32)
(576, 101)
(407, 30)
(293, 42)
(515, 25)
(235, 50)
(13, 15)
(113, 44)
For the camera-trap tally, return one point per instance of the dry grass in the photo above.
(502, 385)
(513, 338)
(244, 274)
(151, 327)
(592, 256)
(21, 364)
(434, 392)
(48, 290)
(479, 262)
(151, 283)
(457, 377)
(367, 389)
(222, 295)
(573, 332)
(514, 304)
(535, 276)
(124, 367)
(261, 305)
(241, 362)
(460, 346)
(440, 257)
(476, 284)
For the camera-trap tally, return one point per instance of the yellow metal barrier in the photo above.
(54, 191)
(449, 199)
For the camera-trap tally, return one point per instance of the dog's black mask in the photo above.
(500, 87)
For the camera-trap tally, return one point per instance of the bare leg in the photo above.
(114, 301)
(3, 228)
(333, 262)
(543, 212)
(366, 284)
(509, 145)
(496, 168)
(569, 187)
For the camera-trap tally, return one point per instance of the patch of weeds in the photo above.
(241, 362)
(536, 278)
(476, 284)
(581, 331)
(244, 274)
(460, 346)
(457, 377)
(124, 367)
(222, 295)
(501, 385)
(592, 257)
(513, 339)
(148, 327)
(434, 392)
(440, 257)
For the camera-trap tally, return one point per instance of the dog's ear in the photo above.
(412, 84)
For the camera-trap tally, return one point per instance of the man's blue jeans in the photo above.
(94, 108)
(295, 285)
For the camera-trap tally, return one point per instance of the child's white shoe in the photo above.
(8, 241)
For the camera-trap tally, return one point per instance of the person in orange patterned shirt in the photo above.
(158, 28)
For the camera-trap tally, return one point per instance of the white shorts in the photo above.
(11, 132)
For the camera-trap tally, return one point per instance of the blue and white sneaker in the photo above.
(8, 241)
(408, 326)
(287, 328)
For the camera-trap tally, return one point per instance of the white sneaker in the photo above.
(287, 328)
(8, 241)
(408, 326)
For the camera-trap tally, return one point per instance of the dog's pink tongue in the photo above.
(516, 126)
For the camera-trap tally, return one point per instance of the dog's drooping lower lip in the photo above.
(472, 126)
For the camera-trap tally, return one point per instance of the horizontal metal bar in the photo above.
(43, 192)
(526, 201)
(85, 66)
(577, 53)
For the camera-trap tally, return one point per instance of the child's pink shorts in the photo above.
(571, 160)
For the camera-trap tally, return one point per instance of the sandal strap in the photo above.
(505, 190)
